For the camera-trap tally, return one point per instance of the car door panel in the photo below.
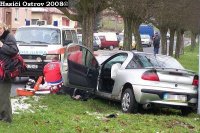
(82, 68)
(77, 74)
(92, 75)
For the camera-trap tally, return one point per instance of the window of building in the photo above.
(34, 21)
(16, 14)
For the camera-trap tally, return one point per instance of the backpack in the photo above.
(12, 67)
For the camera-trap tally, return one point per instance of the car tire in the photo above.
(186, 111)
(128, 102)
(111, 47)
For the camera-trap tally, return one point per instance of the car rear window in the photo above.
(139, 61)
(164, 61)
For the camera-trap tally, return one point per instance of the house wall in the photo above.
(20, 14)
(58, 17)
(1, 14)
(14, 17)
(37, 13)
(19, 20)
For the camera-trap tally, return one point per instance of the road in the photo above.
(20, 83)
(150, 49)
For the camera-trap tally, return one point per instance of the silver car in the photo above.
(133, 78)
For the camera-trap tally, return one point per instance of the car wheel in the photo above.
(186, 111)
(128, 102)
(111, 47)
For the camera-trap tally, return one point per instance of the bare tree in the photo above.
(159, 10)
(192, 18)
(133, 13)
(188, 18)
(124, 8)
(84, 11)
(172, 15)
(139, 16)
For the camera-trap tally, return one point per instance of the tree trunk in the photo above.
(163, 31)
(87, 30)
(127, 44)
(193, 41)
(178, 44)
(171, 41)
(137, 36)
(182, 42)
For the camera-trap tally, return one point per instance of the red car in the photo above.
(108, 40)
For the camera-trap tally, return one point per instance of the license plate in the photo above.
(171, 97)
(32, 66)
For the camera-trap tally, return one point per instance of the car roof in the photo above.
(101, 57)
(48, 26)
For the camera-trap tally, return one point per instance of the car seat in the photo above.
(114, 69)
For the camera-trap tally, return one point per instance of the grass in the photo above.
(111, 25)
(61, 114)
(190, 59)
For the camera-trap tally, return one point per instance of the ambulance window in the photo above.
(74, 36)
(67, 37)
(37, 35)
(55, 36)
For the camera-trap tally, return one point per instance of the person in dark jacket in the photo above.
(156, 43)
(8, 49)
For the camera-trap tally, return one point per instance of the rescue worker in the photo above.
(8, 49)
(52, 75)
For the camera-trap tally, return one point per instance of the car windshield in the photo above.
(38, 35)
(145, 36)
(164, 61)
(96, 38)
(80, 39)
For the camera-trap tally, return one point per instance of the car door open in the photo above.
(82, 72)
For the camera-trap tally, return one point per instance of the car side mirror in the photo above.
(114, 70)
(66, 42)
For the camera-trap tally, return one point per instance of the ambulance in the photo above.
(38, 43)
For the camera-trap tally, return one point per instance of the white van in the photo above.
(37, 45)
(96, 42)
